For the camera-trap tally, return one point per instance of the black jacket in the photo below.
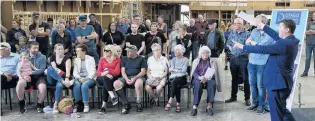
(218, 40)
(12, 37)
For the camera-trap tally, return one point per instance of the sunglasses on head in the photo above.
(106, 50)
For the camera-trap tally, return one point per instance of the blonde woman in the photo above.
(107, 72)
(172, 38)
(156, 73)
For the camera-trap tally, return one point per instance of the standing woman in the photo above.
(71, 28)
(83, 73)
(58, 73)
(107, 72)
(178, 77)
(64, 38)
(184, 39)
(154, 36)
(13, 34)
(113, 36)
(172, 38)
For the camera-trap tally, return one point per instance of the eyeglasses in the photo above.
(106, 50)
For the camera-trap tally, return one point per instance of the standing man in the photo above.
(99, 31)
(278, 74)
(37, 79)
(239, 61)
(41, 31)
(201, 26)
(122, 26)
(191, 30)
(162, 27)
(256, 67)
(310, 45)
(135, 39)
(214, 39)
(141, 27)
(86, 35)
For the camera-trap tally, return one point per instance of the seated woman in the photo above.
(200, 80)
(178, 77)
(107, 72)
(156, 73)
(83, 73)
(59, 72)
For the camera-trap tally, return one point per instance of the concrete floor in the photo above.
(223, 112)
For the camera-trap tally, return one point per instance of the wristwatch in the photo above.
(86, 37)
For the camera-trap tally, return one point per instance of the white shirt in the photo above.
(157, 66)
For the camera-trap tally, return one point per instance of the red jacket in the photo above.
(113, 68)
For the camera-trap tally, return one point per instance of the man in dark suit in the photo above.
(278, 74)
(214, 39)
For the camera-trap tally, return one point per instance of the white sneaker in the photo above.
(86, 109)
(55, 110)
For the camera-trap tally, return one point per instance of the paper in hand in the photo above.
(209, 73)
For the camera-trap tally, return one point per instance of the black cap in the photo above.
(211, 21)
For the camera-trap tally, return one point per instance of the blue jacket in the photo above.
(39, 61)
(278, 73)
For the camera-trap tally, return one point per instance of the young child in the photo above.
(25, 67)
(23, 45)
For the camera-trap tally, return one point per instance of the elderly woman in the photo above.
(83, 73)
(59, 72)
(178, 78)
(13, 34)
(205, 73)
(107, 72)
(156, 73)
(62, 37)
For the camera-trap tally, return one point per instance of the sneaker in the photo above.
(126, 109)
(114, 100)
(304, 75)
(22, 106)
(55, 110)
(102, 111)
(252, 108)
(193, 112)
(86, 109)
(247, 103)
(75, 108)
(139, 107)
(209, 111)
(230, 100)
(260, 110)
(40, 107)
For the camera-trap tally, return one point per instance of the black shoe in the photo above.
(247, 103)
(209, 111)
(102, 111)
(40, 107)
(126, 109)
(22, 106)
(152, 101)
(139, 107)
(252, 108)
(193, 112)
(304, 75)
(230, 100)
(226, 68)
(114, 100)
(260, 110)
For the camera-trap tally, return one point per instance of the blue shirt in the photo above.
(260, 39)
(123, 28)
(240, 37)
(211, 39)
(9, 64)
(72, 31)
(226, 36)
(79, 32)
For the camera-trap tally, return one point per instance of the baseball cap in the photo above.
(35, 14)
(82, 18)
(4, 45)
(132, 48)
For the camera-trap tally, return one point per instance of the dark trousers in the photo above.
(214, 53)
(238, 66)
(176, 85)
(5, 84)
(210, 85)
(277, 103)
(108, 85)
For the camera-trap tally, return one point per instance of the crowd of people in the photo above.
(138, 55)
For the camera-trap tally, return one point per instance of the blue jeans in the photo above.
(308, 52)
(195, 48)
(54, 78)
(255, 75)
(82, 89)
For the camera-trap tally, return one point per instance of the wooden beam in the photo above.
(100, 10)
(87, 6)
(60, 5)
(39, 4)
(78, 4)
(111, 8)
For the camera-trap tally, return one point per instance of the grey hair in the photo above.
(58, 25)
(204, 49)
(181, 48)
(155, 45)
(263, 18)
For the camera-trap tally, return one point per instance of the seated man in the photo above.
(9, 62)
(133, 69)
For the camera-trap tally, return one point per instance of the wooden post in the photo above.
(39, 4)
(87, 6)
(78, 4)
(60, 5)
(100, 10)
(111, 8)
